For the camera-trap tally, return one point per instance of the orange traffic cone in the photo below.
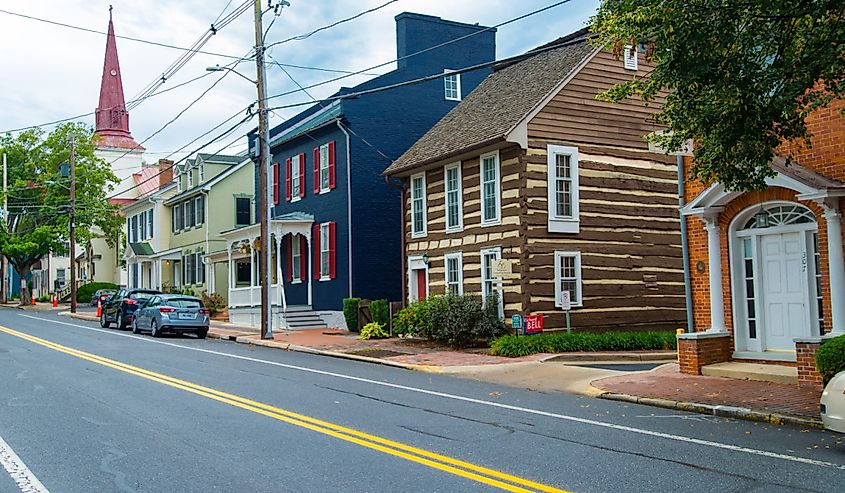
(55, 301)
(33, 300)
(99, 308)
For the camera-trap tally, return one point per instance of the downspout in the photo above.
(157, 238)
(348, 199)
(401, 189)
(684, 243)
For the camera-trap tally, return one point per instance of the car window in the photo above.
(141, 296)
(154, 301)
(184, 303)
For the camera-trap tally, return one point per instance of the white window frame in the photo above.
(629, 57)
(459, 257)
(498, 181)
(497, 284)
(459, 193)
(178, 177)
(190, 178)
(422, 233)
(562, 224)
(325, 254)
(324, 169)
(199, 266)
(447, 89)
(202, 172)
(296, 259)
(579, 298)
(295, 179)
(150, 223)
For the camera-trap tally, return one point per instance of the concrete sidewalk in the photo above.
(663, 386)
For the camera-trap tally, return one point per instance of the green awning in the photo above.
(142, 248)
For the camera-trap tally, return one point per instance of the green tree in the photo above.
(741, 76)
(39, 197)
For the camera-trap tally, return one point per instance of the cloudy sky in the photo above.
(52, 72)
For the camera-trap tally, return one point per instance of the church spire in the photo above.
(111, 115)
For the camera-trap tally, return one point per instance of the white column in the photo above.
(836, 266)
(714, 256)
(310, 261)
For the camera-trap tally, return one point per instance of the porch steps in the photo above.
(305, 319)
(753, 371)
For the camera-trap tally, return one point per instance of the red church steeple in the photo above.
(112, 117)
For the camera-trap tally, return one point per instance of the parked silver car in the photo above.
(175, 313)
(833, 403)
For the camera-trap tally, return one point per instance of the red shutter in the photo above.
(301, 175)
(287, 179)
(303, 259)
(288, 258)
(275, 183)
(331, 164)
(315, 241)
(316, 170)
(332, 256)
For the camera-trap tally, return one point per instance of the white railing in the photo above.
(251, 296)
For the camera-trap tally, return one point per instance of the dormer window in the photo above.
(452, 86)
(630, 57)
(202, 172)
(190, 178)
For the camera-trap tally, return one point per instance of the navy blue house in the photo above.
(328, 163)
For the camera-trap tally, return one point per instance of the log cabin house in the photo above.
(532, 168)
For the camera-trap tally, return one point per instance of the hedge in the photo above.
(561, 342)
(350, 313)
(84, 293)
(830, 358)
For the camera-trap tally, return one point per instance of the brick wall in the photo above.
(808, 375)
(695, 353)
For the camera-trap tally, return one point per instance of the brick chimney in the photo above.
(165, 170)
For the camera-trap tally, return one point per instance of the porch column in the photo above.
(278, 242)
(836, 266)
(230, 273)
(310, 262)
(714, 256)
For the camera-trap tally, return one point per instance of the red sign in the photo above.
(534, 324)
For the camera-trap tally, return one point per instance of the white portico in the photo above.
(778, 271)
(242, 256)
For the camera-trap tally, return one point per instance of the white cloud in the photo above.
(52, 72)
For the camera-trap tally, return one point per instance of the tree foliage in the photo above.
(742, 76)
(39, 197)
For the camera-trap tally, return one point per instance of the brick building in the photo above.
(766, 267)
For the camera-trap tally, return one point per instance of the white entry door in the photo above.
(785, 288)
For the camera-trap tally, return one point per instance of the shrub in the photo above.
(462, 320)
(350, 312)
(413, 320)
(373, 330)
(561, 342)
(85, 291)
(44, 299)
(214, 301)
(380, 312)
(830, 358)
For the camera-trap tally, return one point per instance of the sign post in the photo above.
(534, 324)
(566, 304)
(516, 323)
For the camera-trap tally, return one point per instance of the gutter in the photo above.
(684, 244)
(348, 198)
(401, 189)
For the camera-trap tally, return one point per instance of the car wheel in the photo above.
(135, 329)
(154, 329)
(104, 322)
(201, 334)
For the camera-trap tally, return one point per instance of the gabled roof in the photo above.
(196, 189)
(219, 158)
(507, 96)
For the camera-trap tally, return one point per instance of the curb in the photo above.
(621, 357)
(713, 410)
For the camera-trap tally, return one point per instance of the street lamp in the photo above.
(263, 177)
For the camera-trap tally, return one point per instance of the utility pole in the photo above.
(263, 170)
(4, 268)
(72, 227)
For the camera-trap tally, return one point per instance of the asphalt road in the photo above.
(84, 409)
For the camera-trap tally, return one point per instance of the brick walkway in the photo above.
(668, 383)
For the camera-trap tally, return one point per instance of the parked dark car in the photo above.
(121, 307)
(174, 313)
(101, 294)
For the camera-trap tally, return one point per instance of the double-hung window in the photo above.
(190, 214)
(190, 177)
(452, 86)
(418, 212)
(490, 190)
(325, 256)
(242, 211)
(134, 229)
(454, 213)
(324, 168)
(563, 189)
(295, 178)
(568, 277)
(150, 223)
(454, 273)
(200, 209)
(296, 259)
(142, 225)
(490, 285)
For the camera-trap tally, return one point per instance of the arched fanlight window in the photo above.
(780, 215)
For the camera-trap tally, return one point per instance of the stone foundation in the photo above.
(805, 352)
(699, 349)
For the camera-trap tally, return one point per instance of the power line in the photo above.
(445, 43)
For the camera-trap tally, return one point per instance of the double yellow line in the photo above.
(444, 463)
